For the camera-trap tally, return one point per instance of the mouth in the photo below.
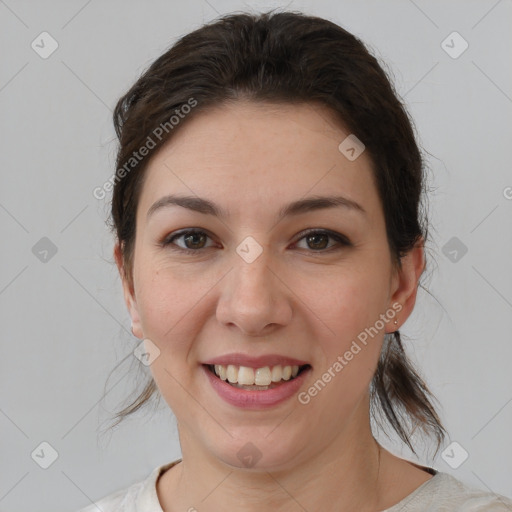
(256, 379)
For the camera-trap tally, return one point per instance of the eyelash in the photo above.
(342, 240)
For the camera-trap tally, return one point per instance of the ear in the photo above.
(405, 284)
(129, 293)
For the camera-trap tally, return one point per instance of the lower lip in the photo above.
(263, 399)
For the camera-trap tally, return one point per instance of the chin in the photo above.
(258, 453)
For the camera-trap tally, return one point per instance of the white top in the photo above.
(441, 493)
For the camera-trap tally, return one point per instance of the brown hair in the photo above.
(288, 57)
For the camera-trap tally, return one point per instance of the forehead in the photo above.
(252, 155)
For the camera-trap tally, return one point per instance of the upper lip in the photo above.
(239, 359)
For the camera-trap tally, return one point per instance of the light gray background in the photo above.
(64, 323)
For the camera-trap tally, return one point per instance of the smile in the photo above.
(263, 378)
(228, 383)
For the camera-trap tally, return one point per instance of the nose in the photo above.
(254, 298)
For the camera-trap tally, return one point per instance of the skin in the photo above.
(297, 299)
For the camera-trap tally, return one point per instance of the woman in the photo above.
(270, 240)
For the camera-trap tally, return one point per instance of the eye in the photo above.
(193, 239)
(317, 240)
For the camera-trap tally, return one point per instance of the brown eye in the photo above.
(318, 240)
(192, 241)
(195, 240)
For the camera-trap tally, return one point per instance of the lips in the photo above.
(257, 396)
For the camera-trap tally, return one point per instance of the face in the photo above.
(261, 277)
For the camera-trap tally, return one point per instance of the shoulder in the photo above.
(445, 493)
(138, 497)
(115, 502)
(119, 501)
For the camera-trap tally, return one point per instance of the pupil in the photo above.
(190, 237)
(315, 240)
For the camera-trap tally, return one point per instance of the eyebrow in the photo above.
(306, 205)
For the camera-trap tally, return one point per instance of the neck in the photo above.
(345, 475)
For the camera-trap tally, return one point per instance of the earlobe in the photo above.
(133, 310)
(405, 284)
(129, 294)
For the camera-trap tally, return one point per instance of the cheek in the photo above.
(167, 308)
(350, 352)
(352, 309)
(162, 301)
(170, 301)
(353, 301)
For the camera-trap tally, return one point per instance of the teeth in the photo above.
(277, 373)
(245, 376)
(255, 376)
(262, 376)
(232, 374)
(221, 371)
